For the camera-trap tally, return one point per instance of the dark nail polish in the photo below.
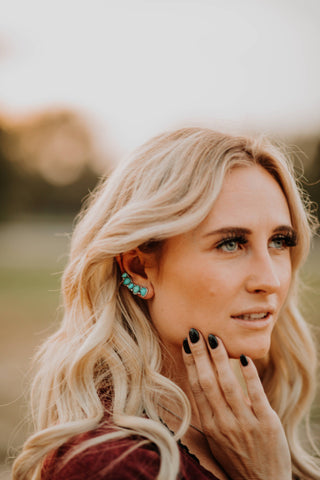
(243, 360)
(213, 342)
(194, 335)
(186, 347)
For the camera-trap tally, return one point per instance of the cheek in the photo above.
(285, 275)
(168, 306)
(285, 279)
(219, 282)
(187, 298)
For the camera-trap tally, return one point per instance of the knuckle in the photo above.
(197, 351)
(188, 360)
(234, 429)
(196, 387)
(255, 395)
(271, 416)
(251, 376)
(251, 428)
(228, 389)
(226, 426)
(206, 382)
(271, 423)
(218, 354)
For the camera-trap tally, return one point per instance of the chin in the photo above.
(254, 350)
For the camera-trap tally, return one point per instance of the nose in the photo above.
(263, 276)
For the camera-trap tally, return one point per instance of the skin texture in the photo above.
(244, 435)
(197, 284)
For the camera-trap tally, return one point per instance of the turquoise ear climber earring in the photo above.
(135, 289)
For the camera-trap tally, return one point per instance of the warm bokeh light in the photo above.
(56, 143)
(140, 67)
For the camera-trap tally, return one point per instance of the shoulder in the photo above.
(120, 459)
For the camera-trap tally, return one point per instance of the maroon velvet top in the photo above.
(141, 463)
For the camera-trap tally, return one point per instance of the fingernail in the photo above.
(213, 342)
(194, 335)
(243, 360)
(186, 347)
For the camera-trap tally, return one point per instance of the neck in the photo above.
(175, 370)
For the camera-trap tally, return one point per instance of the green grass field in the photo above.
(32, 256)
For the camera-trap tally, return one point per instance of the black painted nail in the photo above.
(194, 335)
(186, 347)
(213, 342)
(243, 360)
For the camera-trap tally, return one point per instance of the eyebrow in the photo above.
(247, 231)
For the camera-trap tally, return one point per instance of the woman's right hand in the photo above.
(245, 436)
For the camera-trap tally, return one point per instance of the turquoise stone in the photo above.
(143, 291)
(130, 286)
(124, 275)
(136, 289)
(126, 281)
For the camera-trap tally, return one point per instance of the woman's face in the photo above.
(229, 276)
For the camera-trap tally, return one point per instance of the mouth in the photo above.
(252, 316)
(254, 320)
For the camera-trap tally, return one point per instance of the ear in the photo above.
(133, 263)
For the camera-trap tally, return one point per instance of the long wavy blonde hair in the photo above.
(106, 351)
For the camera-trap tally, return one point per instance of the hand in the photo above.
(245, 436)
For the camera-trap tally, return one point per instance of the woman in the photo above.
(185, 261)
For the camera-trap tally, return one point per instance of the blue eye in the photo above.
(277, 243)
(281, 242)
(231, 244)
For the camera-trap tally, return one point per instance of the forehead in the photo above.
(249, 194)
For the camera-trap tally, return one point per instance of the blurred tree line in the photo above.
(310, 147)
(48, 164)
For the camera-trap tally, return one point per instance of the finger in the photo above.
(205, 411)
(227, 379)
(259, 401)
(206, 375)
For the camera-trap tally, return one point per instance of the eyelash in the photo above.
(239, 239)
(289, 240)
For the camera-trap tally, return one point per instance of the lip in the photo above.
(258, 323)
(267, 309)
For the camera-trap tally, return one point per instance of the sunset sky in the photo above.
(137, 67)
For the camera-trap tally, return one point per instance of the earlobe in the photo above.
(133, 274)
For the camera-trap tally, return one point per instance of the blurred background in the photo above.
(83, 82)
